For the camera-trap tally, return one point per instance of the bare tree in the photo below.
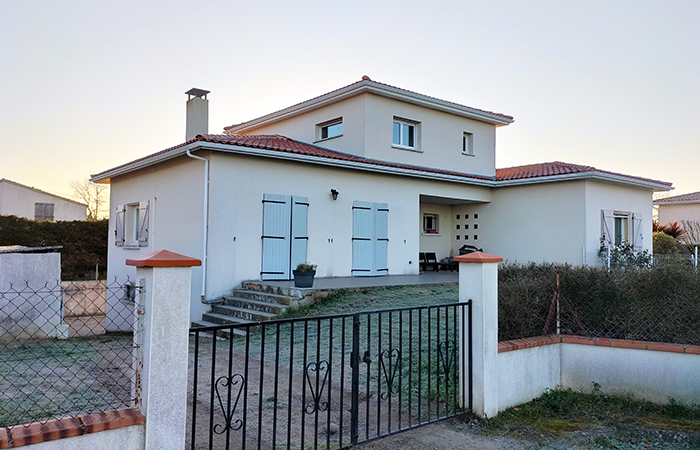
(692, 232)
(95, 196)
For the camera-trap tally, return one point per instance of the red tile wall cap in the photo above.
(34, 433)
(163, 258)
(478, 257)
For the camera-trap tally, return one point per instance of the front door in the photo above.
(285, 234)
(369, 239)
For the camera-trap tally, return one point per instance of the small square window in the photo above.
(331, 129)
(430, 223)
(457, 237)
(457, 216)
(458, 226)
(466, 237)
(405, 134)
(466, 226)
(476, 226)
(476, 216)
(476, 237)
(468, 144)
(466, 216)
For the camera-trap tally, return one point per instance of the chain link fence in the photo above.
(66, 349)
(659, 304)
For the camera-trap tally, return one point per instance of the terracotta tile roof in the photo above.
(693, 197)
(368, 82)
(559, 168)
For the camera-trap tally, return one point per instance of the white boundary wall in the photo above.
(527, 373)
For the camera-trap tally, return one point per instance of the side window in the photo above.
(430, 223)
(406, 134)
(468, 144)
(43, 211)
(131, 225)
(327, 130)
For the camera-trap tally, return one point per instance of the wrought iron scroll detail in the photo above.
(319, 372)
(391, 362)
(229, 384)
(447, 354)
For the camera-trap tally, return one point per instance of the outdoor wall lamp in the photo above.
(334, 193)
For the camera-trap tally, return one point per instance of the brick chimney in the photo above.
(197, 113)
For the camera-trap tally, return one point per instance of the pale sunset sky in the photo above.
(88, 85)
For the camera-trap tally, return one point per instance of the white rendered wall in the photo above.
(539, 222)
(651, 375)
(238, 183)
(526, 374)
(175, 192)
(601, 196)
(673, 213)
(18, 200)
(368, 131)
(36, 312)
(127, 438)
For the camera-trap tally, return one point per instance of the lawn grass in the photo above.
(637, 423)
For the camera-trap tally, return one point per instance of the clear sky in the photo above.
(88, 85)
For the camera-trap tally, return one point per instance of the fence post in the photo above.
(164, 314)
(478, 282)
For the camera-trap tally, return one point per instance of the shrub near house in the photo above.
(84, 243)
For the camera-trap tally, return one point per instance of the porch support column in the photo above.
(478, 282)
(162, 343)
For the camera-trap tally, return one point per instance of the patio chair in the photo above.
(421, 262)
(431, 258)
(467, 249)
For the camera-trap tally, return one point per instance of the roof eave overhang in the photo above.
(683, 202)
(105, 177)
(370, 87)
(592, 175)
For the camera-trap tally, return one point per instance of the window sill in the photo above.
(327, 139)
(467, 154)
(431, 234)
(410, 149)
(131, 246)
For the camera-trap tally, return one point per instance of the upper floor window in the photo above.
(330, 129)
(405, 133)
(43, 211)
(468, 144)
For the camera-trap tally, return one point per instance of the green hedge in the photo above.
(655, 304)
(84, 243)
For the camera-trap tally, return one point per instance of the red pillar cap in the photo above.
(478, 257)
(163, 258)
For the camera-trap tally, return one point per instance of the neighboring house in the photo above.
(24, 201)
(678, 208)
(359, 181)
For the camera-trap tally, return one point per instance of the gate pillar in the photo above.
(162, 345)
(478, 282)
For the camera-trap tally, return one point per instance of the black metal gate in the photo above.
(328, 382)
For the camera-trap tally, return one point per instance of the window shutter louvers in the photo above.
(143, 224)
(119, 226)
(607, 226)
(638, 237)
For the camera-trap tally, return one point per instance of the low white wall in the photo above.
(657, 376)
(651, 375)
(524, 375)
(127, 438)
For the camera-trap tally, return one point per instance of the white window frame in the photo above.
(403, 136)
(468, 143)
(435, 229)
(623, 218)
(329, 130)
(132, 218)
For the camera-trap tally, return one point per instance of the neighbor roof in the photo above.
(693, 197)
(366, 85)
(281, 147)
(5, 180)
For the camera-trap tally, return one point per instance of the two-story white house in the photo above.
(359, 181)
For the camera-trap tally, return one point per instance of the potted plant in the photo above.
(304, 275)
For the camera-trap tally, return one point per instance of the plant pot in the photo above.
(303, 279)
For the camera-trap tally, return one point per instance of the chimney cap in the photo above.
(197, 93)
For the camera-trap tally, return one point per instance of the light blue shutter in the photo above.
(381, 233)
(362, 245)
(119, 225)
(143, 224)
(300, 230)
(276, 237)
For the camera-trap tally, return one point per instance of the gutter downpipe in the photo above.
(205, 242)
